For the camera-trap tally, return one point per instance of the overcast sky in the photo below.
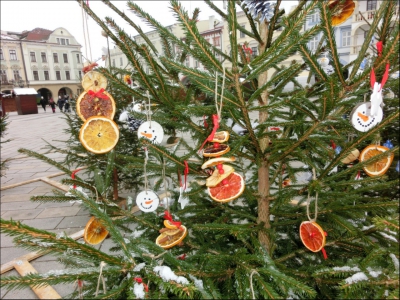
(27, 15)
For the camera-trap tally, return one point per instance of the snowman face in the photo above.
(362, 120)
(147, 201)
(151, 131)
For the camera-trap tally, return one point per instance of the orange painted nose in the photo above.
(148, 202)
(148, 135)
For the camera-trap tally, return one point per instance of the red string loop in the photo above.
(98, 94)
(168, 216)
(212, 134)
(384, 78)
(379, 47)
(73, 175)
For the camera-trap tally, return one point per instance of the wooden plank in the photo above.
(33, 255)
(55, 184)
(28, 181)
(23, 267)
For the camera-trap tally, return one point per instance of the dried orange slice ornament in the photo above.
(313, 236)
(99, 135)
(94, 232)
(353, 155)
(94, 81)
(171, 237)
(220, 137)
(219, 174)
(216, 161)
(216, 150)
(228, 189)
(98, 103)
(341, 10)
(380, 166)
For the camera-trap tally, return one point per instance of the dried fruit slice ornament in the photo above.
(352, 156)
(220, 137)
(94, 81)
(216, 161)
(341, 10)
(99, 134)
(228, 189)
(173, 234)
(219, 174)
(94, 232)
(98, 103)
(378, 167)
(215, 150)
(311, 234)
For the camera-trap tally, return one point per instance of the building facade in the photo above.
(48, 61)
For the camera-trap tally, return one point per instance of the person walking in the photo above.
(67, 106)
(60, 103)
(43, 103)
(52, 104)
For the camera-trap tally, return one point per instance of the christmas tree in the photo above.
(303, 203)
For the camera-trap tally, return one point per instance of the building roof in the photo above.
(25, 91)
(37, 34)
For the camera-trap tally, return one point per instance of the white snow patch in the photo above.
(360, 276)
(167, 274)
(137, 233)
(374, 273)
(389, 237)
(346, 269)
(126, 241)
(395, 261)
(271, 217)
(367, 227)
(283, 236)
(138, 267)
(197, 282)
(138, 289)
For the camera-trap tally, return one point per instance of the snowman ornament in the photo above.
(152, 131)
(147, 201)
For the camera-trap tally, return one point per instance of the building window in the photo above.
(187, 61)
(67, 41)
(58, 41)
(58, 75)
(1, 54)
(62, 41)
(314, 18)
(46, 75)
(13, 55)
(16, 75)
(371, 4)
(44, 58)
(196, 63)
(78, 59)
(35, 75)
(217, 41)
(55, 57)
(242, 35)
(65, 57)
(346, 37)
(3, 76)
(33, 57)
(80, 74)
(120, 61)
(67, 75)
(113, 62)
(255, 51)
(314, 43)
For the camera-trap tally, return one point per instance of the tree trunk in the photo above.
(263, 170)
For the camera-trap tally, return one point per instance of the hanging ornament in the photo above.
(388, 144)
(98, 103)
(94, 232)
(341, 10)
(311, 234)
(376, 97)
(379, 167)
(151, 130)
(324, 61)
(127, 79)
(361, 118)
(352, 156)
(262, 9)
(147, 201)
(338, 149)
(173, 233)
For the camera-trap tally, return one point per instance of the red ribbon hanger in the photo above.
(168, 216)
(379, 47)
(140, 280)
(212, 134)
(98, 94)
(73, 175)
(384, 78)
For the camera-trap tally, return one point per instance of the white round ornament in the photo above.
(152, 131)
(361, 118)
(137, 107)
(147, 201)
(324, 62)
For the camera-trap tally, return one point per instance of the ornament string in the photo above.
(79, 286)
(251, 282)
(148, 112)
(216, 118)
(384, 78)
(73, 175)
(164, 183)
(102, 265)
(309, 201)
(146, 157)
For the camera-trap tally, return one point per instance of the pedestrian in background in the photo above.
(67, 106)
(60, 103)
(52, 104)
(43, 103)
